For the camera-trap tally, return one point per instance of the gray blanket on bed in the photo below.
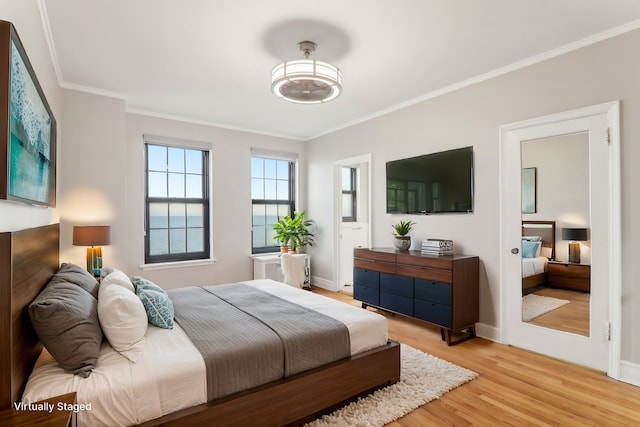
(249, 337)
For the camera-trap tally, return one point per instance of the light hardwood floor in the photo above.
(514, 387)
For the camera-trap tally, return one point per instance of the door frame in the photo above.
(337, 205)
(508, 136)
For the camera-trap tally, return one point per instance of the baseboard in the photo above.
(630, 373)
(329, 285)
(488, 332)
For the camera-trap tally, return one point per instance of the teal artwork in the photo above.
(31, 162)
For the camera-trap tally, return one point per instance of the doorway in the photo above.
(599, 349)
(352, 201)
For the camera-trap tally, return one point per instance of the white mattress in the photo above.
(171, 373)
(533, 266)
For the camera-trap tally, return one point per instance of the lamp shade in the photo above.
(91, 235)
(575, 234)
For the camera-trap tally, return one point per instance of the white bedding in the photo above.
(171, 373)
(533, 266)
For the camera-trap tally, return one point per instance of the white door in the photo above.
(594, 350)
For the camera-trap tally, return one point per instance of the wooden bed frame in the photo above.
(547, 230)
(29, 258)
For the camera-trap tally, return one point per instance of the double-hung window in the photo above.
(176, 203)
(272, 198)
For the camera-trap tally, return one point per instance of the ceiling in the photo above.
(210, 61)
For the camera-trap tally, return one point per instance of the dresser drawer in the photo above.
(425, 273)
(432, 312)
(431, 291)
(438, 262)
(366, 295)
(397, 303)
(366, 254)
(366, 278)
(396, 285)
(375, 265)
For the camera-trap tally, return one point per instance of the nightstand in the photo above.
(569, 275)
(61, 415)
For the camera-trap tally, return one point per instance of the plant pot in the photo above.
(402, 243)
(284, 249)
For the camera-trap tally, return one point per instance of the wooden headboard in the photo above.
(544, 229)
(28, 259)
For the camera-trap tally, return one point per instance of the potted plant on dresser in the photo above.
(402, 241)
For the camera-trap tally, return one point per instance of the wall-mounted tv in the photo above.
(433, 183)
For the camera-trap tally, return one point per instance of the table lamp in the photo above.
(575, 236)
(94, 236)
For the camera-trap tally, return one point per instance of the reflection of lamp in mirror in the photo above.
(94, 236)
(575, 236)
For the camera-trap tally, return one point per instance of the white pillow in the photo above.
(123, 319)
(546, 252)
(117, 277)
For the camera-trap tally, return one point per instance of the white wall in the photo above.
(231, 198)
(25, 17)
(471, 116)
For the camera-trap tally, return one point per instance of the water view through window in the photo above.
(177, 203)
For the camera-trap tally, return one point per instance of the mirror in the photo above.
(556, 253)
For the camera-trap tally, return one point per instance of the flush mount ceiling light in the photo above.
(306, 81)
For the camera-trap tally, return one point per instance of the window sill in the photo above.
(177, 264)
(265, 255)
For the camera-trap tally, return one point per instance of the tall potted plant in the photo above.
(300, 234)
(294, 231)
(283, 233)
(402, 241)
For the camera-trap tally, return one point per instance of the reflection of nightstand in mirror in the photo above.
(569, 275)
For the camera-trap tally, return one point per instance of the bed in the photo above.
(534, 266)
(29, 258)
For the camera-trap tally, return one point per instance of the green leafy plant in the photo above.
(294, 230)
(402, 228)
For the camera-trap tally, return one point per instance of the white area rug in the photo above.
(535, 305)
(423, 378)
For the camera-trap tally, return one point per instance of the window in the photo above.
(349, 202)
(272, 197)
(176, 204)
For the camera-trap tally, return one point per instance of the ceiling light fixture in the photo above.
(306, 81)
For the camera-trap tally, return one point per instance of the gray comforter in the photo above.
(249, 337)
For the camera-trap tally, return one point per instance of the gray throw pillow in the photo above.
(71, 273)
(65, 317)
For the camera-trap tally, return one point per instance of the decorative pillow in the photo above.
(65, 317)
(532, 238)
(156, 302)
(117, 277)
(71, 273)
(529, 249)
(546, 252)
(123, 319)
(538, 249)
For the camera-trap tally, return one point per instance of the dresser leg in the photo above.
(471, 333)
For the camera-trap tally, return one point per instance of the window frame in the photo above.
(291, 202)
(205, 201)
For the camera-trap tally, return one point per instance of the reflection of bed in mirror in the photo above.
(535, 257)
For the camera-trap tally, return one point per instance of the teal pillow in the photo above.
(156, 302)
(529, 249)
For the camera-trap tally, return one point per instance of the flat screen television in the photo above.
(431, 184)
